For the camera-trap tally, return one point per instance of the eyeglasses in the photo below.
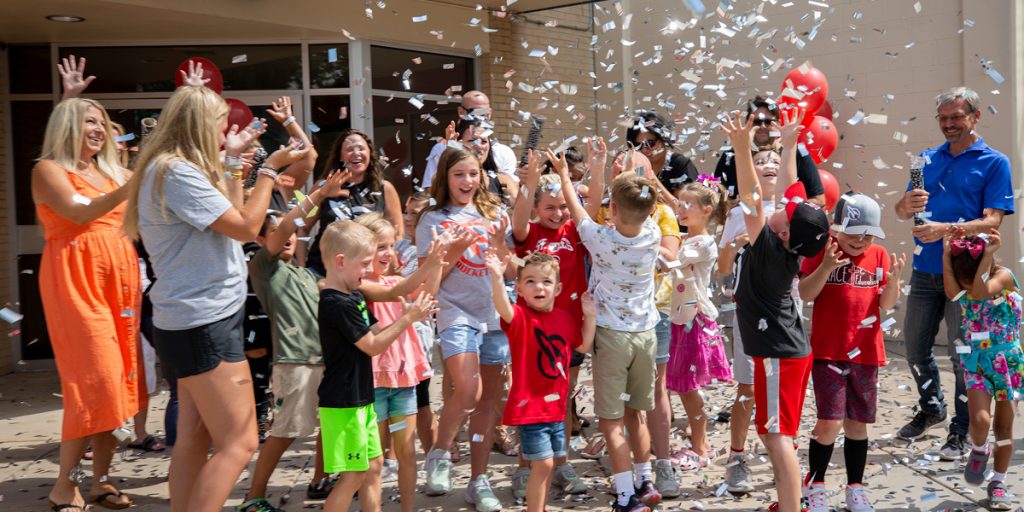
(647, 144)
(763, 122)
(956, 118)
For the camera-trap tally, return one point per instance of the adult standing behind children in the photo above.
(966, 183)
(477, 104)
(190, 214)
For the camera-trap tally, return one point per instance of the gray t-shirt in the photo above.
(465, 294)
(200, 273)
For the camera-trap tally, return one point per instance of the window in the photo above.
(328, 66)
(28, 122)
(330, 117)
(153, 68)
(30, 69)
(421, 72)
(406, 134)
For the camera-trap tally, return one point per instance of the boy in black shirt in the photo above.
(766, 312)
(350, 337)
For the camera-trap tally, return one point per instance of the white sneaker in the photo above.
(817, 498)
(665, 479)
(519, 480)
(857, 499)
(438, 467)
(389, 473)
(479, 494)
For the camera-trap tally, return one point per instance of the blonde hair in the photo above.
(710, 194)
(376, 222)
(547, 184)
(346, 237)
(188, 131)
(62, 141)
(633, 197)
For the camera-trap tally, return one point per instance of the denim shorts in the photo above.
(492, 347)
(540, 441)
(663, 331)
(394, 402)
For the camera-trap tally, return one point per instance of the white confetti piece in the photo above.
(762, 325)
(238, 59)
(553, 397)
(313, 128)
(927, 384)
(889, 322)
(979, 336)
(419, 19)
(395, 427)
(127, 313)
(624, 397)
(10, 316)
(523, 402)
(869, 320)
(80, 199)
(853, 353)
(416, 102)
(963, 349)
(1004, 442)
(477, 438)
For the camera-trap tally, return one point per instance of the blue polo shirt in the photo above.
(960, 187)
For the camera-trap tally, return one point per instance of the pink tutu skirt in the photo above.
(696, 356)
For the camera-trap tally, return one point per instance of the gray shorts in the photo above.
(742, 364)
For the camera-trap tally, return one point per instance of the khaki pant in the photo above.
(624, 372)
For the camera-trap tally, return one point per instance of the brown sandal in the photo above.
(104, 502)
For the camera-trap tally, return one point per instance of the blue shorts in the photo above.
(540, 441)
(394, 402)
(663, 331)
(492, 347)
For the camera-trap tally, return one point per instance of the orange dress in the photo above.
(90, 286)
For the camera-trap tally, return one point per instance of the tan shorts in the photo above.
(295, 399)
(624, 372)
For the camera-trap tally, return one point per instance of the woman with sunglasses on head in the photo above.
(653, 137)
(766, 112)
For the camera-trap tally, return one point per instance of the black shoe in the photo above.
(955, 447)
(634, 505)
(920, 424)
(322, 489)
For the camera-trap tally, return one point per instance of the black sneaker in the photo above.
(919, 425)
(322, 489)
(634, 505)
(955, 447)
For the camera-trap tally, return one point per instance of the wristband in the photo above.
(266, 171)
(290, 120)
(301, 209)
(231, 161)
(233, 175)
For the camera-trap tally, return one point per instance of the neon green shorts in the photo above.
(351, 438)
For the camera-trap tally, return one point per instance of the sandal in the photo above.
(104, 500)
(594, 449)
(505, 442)
(688, 460)
(149, 444)
(322, 489)
(65, 506)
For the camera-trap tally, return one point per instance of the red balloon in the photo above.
(825, 110)
(820, 138)
(240, 114)
(811, 87)
(831, 188)
(210, 70)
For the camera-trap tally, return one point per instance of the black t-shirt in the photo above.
(806, 172)
(677, 171)
(360, 200)
(764, 299)
(348, 373)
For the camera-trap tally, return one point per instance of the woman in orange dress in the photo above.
(89, 282)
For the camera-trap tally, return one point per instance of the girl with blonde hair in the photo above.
(189, 211)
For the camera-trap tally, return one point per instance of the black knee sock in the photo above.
(855, 451)
(819, 455)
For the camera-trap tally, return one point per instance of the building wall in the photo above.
(879, 57)
(562, 83)
(9, 264)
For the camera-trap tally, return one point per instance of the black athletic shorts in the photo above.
(200, 349)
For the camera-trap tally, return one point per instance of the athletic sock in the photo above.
(641, 472)
(818, 456)
(998, 477)
(855, 451)
(623, 486)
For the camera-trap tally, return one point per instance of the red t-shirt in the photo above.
(565, 245)
(848, 299)
(541, 346)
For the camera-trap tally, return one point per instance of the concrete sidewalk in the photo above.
(899, 476)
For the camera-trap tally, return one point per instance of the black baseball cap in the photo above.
(808, 223)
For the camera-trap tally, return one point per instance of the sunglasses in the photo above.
(647, 144)
(763, 122)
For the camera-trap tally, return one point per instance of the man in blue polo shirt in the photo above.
(965, 183)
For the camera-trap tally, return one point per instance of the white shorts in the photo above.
(295, 399)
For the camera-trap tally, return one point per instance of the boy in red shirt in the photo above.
(541, 338)
(852, 283)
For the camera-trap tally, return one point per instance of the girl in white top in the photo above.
(697, 355)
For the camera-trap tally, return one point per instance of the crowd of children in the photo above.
(513, 283)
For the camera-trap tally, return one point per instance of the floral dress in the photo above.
(995, 363)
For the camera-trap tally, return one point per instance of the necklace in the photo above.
(87, 172)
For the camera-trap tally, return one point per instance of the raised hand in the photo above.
(287, 155)
(496, 233)
(450, 133)
(495, 264)
(558, 163)
(993, 242)
(437, 251)
(791, 126)
(72, 73)
(898, 265)
(420, 308)
(597, 154)
(194, 77)
(335, 181)
(238, 141)
(739, 130)
(589, 305)
(833, 256)
(281, 109)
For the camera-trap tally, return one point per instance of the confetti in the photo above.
(125, 138)
(762, 325)
(979, 336)
(624, 397)
(395, 427)
(127, 313)
(10, 316)
(853, 353)
(238, 59)
(332, 55)
(313, 127)
(477, 438)
(419, 19)
(869, 320)
(551, 398)
(963, 349)
(80, 199)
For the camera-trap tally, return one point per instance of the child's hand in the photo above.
(450, 133)
(559, 164)
(597, 154)
(953, 232)
(437, 251)
(420, 308)
(589, 305)
(295, 150)
(739, 130)
(897, 266)
(281, 109)
(495, 264)
(496, 234)
(994, 241)
(791, 126)
(461, 239)
(833, 256)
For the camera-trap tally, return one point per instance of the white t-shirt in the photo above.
(622, 275)
(691, 280)
(736, 227)
(504, 157)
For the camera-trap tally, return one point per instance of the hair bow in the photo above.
(707, 180)
(974, 245)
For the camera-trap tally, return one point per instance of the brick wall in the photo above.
(562, 85)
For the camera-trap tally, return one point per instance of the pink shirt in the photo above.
(403, 364)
